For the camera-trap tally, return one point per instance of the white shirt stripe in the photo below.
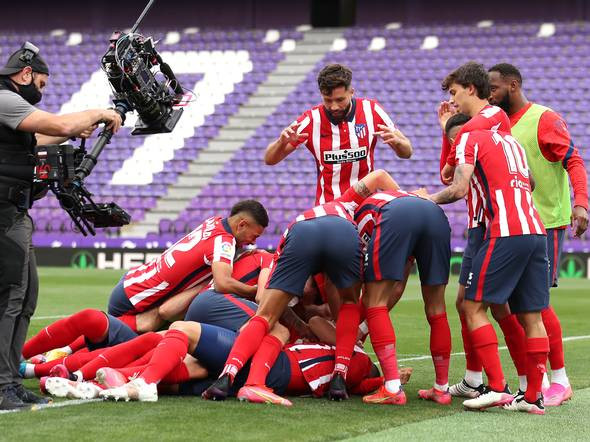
(316, 383)
(317, 123)
(384, 116)
(529, 199)
(140, 278)
(460, 152)
(217, 248)
(341, 213)
(521, 216)
(137, 298)
(354, 144)
(504, 230)
(304, 123)
(370, 129)
(319, 211)
(336, 167)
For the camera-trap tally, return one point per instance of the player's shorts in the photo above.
(223, 310)
(119, 332)
(410, 227)
(212, 351)
(119, 304)
(511, 269)
(554, 244)
(328, 244)
(474, 239)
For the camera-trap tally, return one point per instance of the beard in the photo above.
(504, 103)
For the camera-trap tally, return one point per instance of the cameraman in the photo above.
(22, 127)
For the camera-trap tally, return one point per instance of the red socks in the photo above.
(515, 341)
(485, 343)
(247, 342)
(472, 361)
(169, 353)
(440, 347)
(93, 324)
(122, 354)
(177, 376)
(346, 335)
(383, 340)
(263, 360)
(553, 327)
(536, 357)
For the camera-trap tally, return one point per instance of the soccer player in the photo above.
(322, 239)
(552, 157)
(206, 251)
(341, 134)
(511, 264)
(469, 88)
(401, 225)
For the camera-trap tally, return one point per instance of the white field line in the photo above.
(41, 318)
(54, 405)
(420, 358)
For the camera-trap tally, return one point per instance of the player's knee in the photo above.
(189, 328)
(281, 332)
(165, 313)
(499, 311)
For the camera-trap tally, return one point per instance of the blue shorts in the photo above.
(212, 351)
(119, 332)
(511, 269)
(223, 310)
(119, 303)
(474, 239)
(410, 227)
(329, 244)
(554, 245)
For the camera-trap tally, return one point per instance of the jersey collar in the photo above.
(225, 224)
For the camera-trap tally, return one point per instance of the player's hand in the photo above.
(422, 192)
(290, 136)
(86, 133)
(445, 111)
(447, 174)
(579, 221)
(390, 135)
(112, 119)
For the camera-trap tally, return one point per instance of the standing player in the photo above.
(401, 225)
(469, 89)
(322, 239)
(552, 156)
(341, 133)
(511, 264)
(207, 250)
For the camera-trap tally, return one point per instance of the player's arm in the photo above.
(287, 142)
(395, 139)
(175, 307)
(556, 145)
(67, 125)
(378, 179)
(458, 189)
(261, 284)
(224, 283)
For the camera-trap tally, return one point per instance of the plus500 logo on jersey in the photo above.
(345, 156)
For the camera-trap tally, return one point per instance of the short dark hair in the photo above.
(456, 120)
(471, 73)
(507, 70)
(333, 76)
(252, 208)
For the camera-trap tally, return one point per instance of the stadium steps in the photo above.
(291, 71)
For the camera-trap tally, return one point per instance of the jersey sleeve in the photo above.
(351, 196)
(305, 126)
(465, 151)
(223, 250)
(381, 117)
(265, 259)
(557, 145)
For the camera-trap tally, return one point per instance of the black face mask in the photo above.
(30, 92)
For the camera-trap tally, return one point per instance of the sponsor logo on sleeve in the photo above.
(227, 250)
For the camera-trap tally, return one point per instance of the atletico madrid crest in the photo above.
(360, 130)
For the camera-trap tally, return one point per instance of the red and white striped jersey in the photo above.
(182, 266)
(367, 214)
(247, 267)
(316, 362)
(501, 178)
(344, 150)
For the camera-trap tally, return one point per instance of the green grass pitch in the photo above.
(65, 291)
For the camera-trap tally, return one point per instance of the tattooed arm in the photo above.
(458, 189)
(379, 179)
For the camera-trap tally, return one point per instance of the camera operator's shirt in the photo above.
(13, 109)
(184, 265)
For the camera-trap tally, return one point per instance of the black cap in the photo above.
(27, 55)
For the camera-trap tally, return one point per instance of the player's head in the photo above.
(454, 125)
(334, 84)
(248, 219)
(505, 84)
(467, 86)
(28, 71)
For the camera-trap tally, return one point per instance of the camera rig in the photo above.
(128, 64)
